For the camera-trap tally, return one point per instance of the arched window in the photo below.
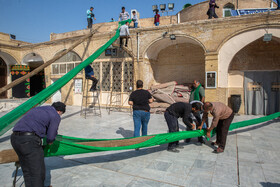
(66, 63)
(227, 10)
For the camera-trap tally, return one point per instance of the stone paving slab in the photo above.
(251, 157)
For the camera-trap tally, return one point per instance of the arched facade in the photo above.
(37, 82)
(7, 61)
(245, 57)
(181, 60)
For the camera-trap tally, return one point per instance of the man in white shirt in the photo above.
(124, 15)
(124, 33)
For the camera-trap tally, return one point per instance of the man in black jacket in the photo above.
(175, 111)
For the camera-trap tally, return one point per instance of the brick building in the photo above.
(222, 53)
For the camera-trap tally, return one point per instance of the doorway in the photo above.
(3, 77)
(262, 92)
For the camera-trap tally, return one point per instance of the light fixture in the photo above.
(155, 7)
(267, 37)
(172, 37)
(162, 7)
(170, 6)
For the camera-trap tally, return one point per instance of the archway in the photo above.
(259, 66)
(37, 82)
(6, 61)
(227, 9)
(181, 60)
(3, 77)
(60, 67)
(234, 44)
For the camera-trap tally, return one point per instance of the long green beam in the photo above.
(8, 121)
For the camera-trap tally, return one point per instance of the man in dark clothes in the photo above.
(90, 75)
(26, 140)
(175, 111)
(140, 100)
(211, 12)
(278, 4)
(222, 118)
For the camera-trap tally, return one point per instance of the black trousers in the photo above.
(198, 123)
(31, 157)
(212, 14)
(173, 126)
(121, 40)
(89, 20)
(222, 131)
(94, 82)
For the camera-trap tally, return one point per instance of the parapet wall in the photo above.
(112, 26)
(198, 11)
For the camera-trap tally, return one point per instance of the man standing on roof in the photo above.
(211, 11)
(26, 140)
(124, 15)
(124, 33)
(90, 15)
(175, 111)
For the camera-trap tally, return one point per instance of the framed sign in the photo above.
(78, 85)
(211, 79)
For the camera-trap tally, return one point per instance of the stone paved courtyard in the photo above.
(251, 157)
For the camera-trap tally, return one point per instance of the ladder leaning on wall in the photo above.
(92, 106)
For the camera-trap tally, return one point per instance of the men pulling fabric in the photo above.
(26, 140)
(175, 111)
(222, 118)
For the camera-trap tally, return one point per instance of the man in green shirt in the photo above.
(197, 95)
(198, 92)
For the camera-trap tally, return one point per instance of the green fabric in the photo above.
(65, 145)
(195, 94)
(8, 121)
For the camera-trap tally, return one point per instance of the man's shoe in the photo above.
(214, 143)
(173, 150)
(218, 150)
(179, 147)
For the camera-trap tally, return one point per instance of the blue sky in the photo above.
(34, 20)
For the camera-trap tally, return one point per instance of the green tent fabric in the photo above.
(9, 120)
(65, 145)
